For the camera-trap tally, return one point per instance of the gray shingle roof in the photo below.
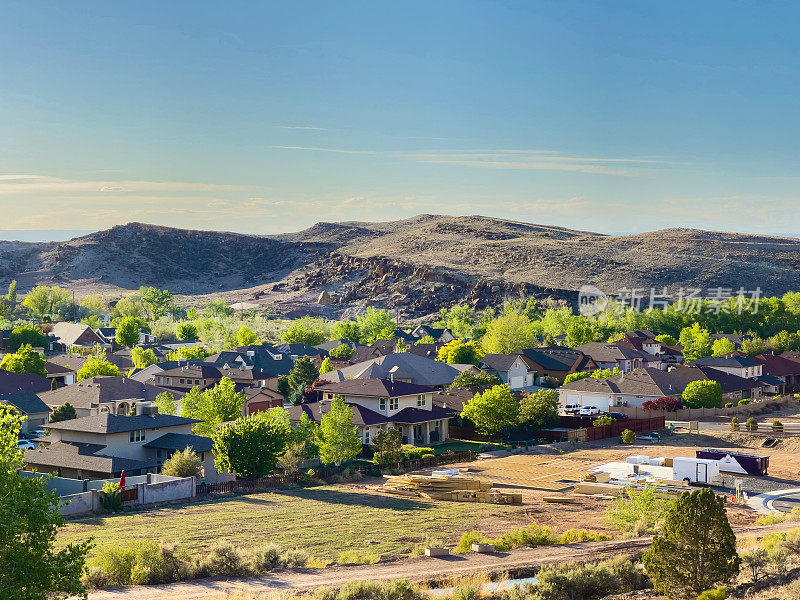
(11, 383)
(87, 457)
(179, 441)
(374, 388)
(96, 390)
(27, 403)
(108, 423)
(418, 369)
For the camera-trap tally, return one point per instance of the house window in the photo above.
(169, 380)
(160, 380)
(182, 381)
(421, 400)
(394, 403)
(366, 436)
(382, 404)
(330, 396)
(137, 435)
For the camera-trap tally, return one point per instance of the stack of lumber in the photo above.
(456, 488)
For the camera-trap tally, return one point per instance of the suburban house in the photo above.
(641, 340)
(557, 362)
(204, 375)
(261, 399)
(402, 366)
(103, 445)
(633, 388)
(734, 364)
(609, 356)
(264, 358)
(330, 345)
(60, 374)
(425, 350)
(11, 383)
(381, 404)
(68, 335)
(736, 338)
(512, 369)
(72, 362)
(29, 405)
(442, 335)
(115, 395)
(782, 367)
(109, 334)
(295, 351)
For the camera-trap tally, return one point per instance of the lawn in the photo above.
(462, 445)
(322, 520)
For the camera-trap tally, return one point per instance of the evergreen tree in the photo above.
(697, 549)
(303, 373)
(65, 412)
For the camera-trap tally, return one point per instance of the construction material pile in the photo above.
(456, 488)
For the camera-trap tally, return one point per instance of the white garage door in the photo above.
(600, 402)
(572, 398)
(517, 383)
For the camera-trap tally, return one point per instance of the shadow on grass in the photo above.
(347, 498)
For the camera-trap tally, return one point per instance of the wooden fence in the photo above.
(276, 481)
(699, 414)
(616, 429)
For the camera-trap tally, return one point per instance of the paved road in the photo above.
(411, 568)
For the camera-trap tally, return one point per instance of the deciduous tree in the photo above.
(492, 410)
(250, 446)
(128, 332)
(326, 366)
(375, 324)
(346, 330)
(157, 302)
(344, 351)
(337, 437)
(702, 394)
(509, 333)
(696, 342)
(183, 463)
(467, 379)
(246, 336)
(143, 358)
(722, 346)
(460, 352)
(97, 365)
(25, 360)
(186, 331)
(213, 406)
(540, 409)
(165, 402)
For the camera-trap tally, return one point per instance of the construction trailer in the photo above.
(694, 470)
(731, 461)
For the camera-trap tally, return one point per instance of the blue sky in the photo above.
(268, 117)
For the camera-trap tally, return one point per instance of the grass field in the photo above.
(462, 445)
(325, 521)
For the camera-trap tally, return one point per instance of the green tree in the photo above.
(427, 339)
(42, 300)
(580, 332)
(251, 446)
(697, 549)
(460, 320)
(638, 512)
(188, 353)
(702, 394)
(311, 332)
(303, 373)
(467, 379)
(30, 567)
(26, 334)
(696, 342)
(186, 331)
(326, 366)
(722, 346)
(183, 463)
(11, 296)
(23, 361)
(577, 376)
(191, 313)
(128, 332)
(388, 445)
(344, 351)
(213, 406)
(128, 307)
(94, 305)
(95, 366)
(376, 324)
(346, 330)
(217, 308)
(337, 437)
(165, 402)
(143, 358)
(246, 336)
(667, 340)
(492, 410)
(540, 409)
(157, 302)
(509, 333)
(65, 412)
(461, 353)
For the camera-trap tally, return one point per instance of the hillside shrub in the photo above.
(744, 401)
(356, 557)
(729, 405)
(777, 426)
(469, 592)
(718, 594)
(638, 512)
(468, 538)
(225, 560)
(532, 535)
(734, 424)
(603, 421)
(628, 437)
(573, 536)
(751, 424)
(136, 562)
(588, 581)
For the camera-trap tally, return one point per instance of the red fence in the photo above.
(130, 494)
(276, 481)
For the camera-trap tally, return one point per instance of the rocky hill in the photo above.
(417, 265)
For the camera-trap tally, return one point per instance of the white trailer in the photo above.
(694, 470)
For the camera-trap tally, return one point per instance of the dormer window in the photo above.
(394, 403)
(421, 400)
(382, 404)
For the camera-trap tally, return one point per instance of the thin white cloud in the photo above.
(21, 184)
(319, 149)
(302, 127)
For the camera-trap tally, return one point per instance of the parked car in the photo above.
(26, 445)
(36, 433)
(615, 415)
(572, 409)
(589, 411)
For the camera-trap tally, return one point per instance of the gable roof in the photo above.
(68, 333)
(87, 457)
(181, 441)
(331, 344)
(108, 423)
(300, 350)
(363, 416)
(270, 361)
(27, 403)
(11, 383)
(418, 369)
(375, 388)
(732, 360)
(501, 362)
(96, 390)
(778, 365)
(559, 358)
(603, 352)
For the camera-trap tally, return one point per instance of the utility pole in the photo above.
(73, 306)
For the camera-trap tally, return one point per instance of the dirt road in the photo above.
(420, 568)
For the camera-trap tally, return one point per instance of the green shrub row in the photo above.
(533, 535)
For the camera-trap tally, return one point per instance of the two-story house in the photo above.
(383, 404)
(68, 335)
(741, 366)
(512, 369)
(103, 445)
(609, 356)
